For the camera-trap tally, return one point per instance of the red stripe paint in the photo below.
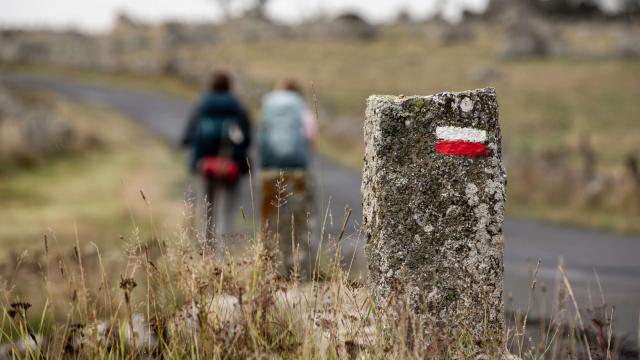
(462, 148)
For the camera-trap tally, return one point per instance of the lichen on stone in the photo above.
(433, 222)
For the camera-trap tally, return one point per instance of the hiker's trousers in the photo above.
(215, 205)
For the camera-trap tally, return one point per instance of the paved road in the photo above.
(615, 258)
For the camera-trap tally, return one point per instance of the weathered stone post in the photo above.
(434, 192)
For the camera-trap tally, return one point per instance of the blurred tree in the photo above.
(568, 7)
(574, 8)
(587, 7)
(632, 6)
(261, 7)
(257, 8)
(404, 17)
(225, 7)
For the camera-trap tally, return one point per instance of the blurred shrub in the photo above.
(32, 128)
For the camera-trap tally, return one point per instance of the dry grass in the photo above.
(170, 298)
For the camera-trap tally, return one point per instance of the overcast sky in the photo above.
(97, 15)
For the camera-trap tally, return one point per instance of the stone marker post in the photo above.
(434, 192)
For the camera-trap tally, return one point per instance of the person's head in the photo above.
(290, 85)
(220, 81)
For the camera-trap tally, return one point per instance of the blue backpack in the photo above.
(212, 136)
(216, 137)
(283, 143)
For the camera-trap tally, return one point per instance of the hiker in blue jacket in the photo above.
(218, 135)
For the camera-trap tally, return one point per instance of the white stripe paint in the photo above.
(453, 133)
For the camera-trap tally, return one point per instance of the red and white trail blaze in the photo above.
(462, 141)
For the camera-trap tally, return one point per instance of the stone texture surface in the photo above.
(433, 222)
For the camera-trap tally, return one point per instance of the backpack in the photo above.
(215, 146)
(283, 143)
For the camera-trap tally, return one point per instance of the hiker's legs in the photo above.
(302, 201)
(308, 227)
(191, 198)
(200, 201)
(287, 217)
(205, 197)
(226, 207)
(211, 188)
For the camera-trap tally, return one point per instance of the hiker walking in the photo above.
(219, 135)
(286, 136)
(288, 128)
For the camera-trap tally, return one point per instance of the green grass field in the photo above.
(95, 191)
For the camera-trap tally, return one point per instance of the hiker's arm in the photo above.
(187, 136)
(310, 125)
(245, 125)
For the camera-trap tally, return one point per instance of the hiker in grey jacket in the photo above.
(288, 128)
(286, 136)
